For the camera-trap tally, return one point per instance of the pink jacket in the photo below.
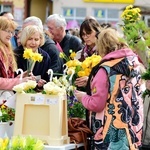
(8, 83)
(7, 80)
(100, 84)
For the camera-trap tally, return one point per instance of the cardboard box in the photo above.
(42, 116)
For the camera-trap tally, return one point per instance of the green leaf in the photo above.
(141, 45)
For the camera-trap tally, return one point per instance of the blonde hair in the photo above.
(4, 25)
(109, 41)
(28, 31)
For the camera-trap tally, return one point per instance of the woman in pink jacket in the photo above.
(113, 96)
(7, 61)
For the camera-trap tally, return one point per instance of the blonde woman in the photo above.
(7, 60)
(32, 37)
(113, 96)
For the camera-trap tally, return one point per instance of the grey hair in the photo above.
(34, 20)
(59, 20)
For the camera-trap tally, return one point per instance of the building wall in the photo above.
(58, 4)
(101, 11)
(16, 7)
(142, 3)
(18, 3)
(43, 8)
(39, 9)
(18, 10)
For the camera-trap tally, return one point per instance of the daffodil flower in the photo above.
(31, 57)
(26, 87)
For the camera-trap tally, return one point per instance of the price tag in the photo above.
(52, 101)
(38, 99)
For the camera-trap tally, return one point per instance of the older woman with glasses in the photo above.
(7, 60)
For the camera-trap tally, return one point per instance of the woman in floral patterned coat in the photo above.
(113, 96)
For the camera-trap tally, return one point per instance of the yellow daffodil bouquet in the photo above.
(31, 57)
(88, 64)
(21, 143)
(75, 69)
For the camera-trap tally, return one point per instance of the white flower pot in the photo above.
(10, 129)
(3, 129)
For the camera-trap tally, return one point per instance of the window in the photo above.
(74, 16)
(147, 20)
(80, 12)
(112, 13)
(99, 13)
(5, 8)
(106, 15)
(68, 12)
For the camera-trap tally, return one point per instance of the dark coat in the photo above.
(71, 42)
(56, 62)
(40, 68)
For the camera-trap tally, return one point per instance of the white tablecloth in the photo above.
(63, 147)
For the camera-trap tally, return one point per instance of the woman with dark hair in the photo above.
(88, 30)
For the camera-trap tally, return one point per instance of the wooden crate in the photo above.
(42, 116)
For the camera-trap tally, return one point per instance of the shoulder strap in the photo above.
(92, 74)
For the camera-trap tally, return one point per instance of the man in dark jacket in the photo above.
(57, 27)
(49, 45)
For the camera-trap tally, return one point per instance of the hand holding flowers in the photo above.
(31, 57)
(81, 69)
(79, 95)
(78, 72)
(81, 82)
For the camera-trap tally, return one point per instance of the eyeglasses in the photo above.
(10, 32)
(86, 35)
(97, 33)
